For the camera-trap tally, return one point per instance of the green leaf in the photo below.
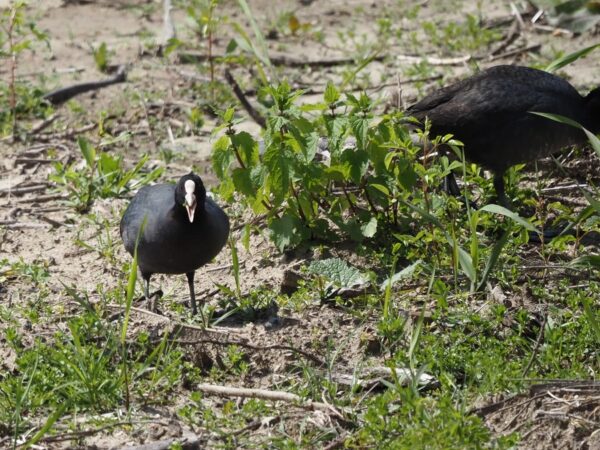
(88, 152)
(247, 147)
(493, 258)
(557, 118)
(406, 174)
(591, 200)
(222, 157)
(108, 164)
(592, 317)
(228, 115)
(357, 163)
(497, 209)
(586, 261)
(568, 59)
(331, 95)
(277, 122)
(311, 146)
(242, 180)
(260, 50)
(466, 263)
(278, 164)
(594, 141)
(370, 228)
(407, 272)
(338, 272)
(360, 129)
(285, 232)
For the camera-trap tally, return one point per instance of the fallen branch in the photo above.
(61, 95)
(435, 61)
(43, 198)
(43, 124)
(23, 225)
(513, 34)
(69, 133)
(23, 190)
(518, 51)
(191, 56)
(260, 120)
(282, 396)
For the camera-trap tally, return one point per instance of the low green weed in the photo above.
(103, 176)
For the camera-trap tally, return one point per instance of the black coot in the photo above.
(489, 113)
(184, 229)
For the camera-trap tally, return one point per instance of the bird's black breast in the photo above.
(169, 243)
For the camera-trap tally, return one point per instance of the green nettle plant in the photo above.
(332, 171)
(348, 191)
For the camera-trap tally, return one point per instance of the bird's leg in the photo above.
(451, 186)
(146, 276)
(151, 304)
(190, 277)
(499, 187)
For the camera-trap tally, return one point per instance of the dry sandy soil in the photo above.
(37, 226)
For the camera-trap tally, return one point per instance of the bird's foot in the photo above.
(152, 301)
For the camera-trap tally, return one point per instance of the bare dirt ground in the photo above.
(36, 226)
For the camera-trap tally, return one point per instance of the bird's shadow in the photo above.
(236, 316)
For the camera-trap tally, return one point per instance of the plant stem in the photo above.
(13, 68)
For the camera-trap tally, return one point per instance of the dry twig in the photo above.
(264, 394)
(256, 116)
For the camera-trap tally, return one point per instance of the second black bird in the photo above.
(490, 113)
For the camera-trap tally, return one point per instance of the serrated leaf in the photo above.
(278, 164)
(286, 231)
(338, 272)
(242, 181)
(247, 147)
(360, 129)
(406, 175)
(311, 146)
(357, 162)
(222, 156)
(228, 115)
(277, 122)
(331, 94)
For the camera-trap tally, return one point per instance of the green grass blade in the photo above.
(131, 283)
(559, 63)
(497, 209)
(260, 50)
(594, 140)
(51, 420)
(493, 259)
(592, 317)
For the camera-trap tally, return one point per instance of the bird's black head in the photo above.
(190, 194)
